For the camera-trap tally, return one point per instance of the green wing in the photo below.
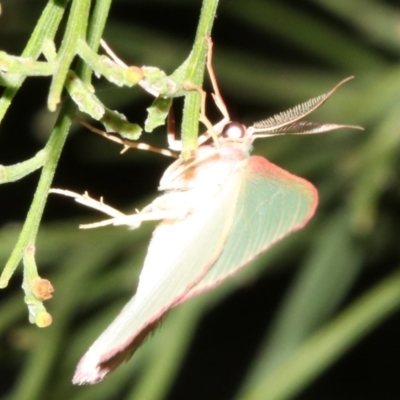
(272, 203)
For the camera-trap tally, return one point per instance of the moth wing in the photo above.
(271, 204)
(179, 255)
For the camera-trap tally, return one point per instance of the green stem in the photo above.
(75, 30)
(95, 32)
(121, 76)
(195, 75)
(32, 381)
(29, 231)
(37, 311)
(12, 173)
(46, 28)
(24, 66)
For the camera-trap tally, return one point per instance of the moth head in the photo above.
(234, 131)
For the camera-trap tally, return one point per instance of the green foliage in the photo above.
(94, 272)
(75, 42)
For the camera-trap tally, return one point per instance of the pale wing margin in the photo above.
(272, 203)
(180, 253)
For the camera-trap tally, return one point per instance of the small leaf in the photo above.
(114, 121)
(157, 113)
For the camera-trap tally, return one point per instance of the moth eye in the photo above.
(234, 130)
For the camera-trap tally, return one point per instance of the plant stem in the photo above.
(195, 75)
(95, 32)
(75, 30)
(12, 173)
(29, 231)
(46, 28)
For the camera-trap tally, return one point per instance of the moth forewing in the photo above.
(272, 203)
(180, 253)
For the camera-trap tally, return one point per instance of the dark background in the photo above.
(230, 334)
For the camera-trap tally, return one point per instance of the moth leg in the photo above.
(119, 62)
(169, 206)
(219, 102)
(86, 200)
(111, 54)
(98, 205)
(157, 210)
(127, 143)
(133, 221)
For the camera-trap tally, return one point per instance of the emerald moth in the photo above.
(218, 211)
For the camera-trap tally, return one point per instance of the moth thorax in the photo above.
(234, 131)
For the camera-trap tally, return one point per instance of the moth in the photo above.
(218, 211)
